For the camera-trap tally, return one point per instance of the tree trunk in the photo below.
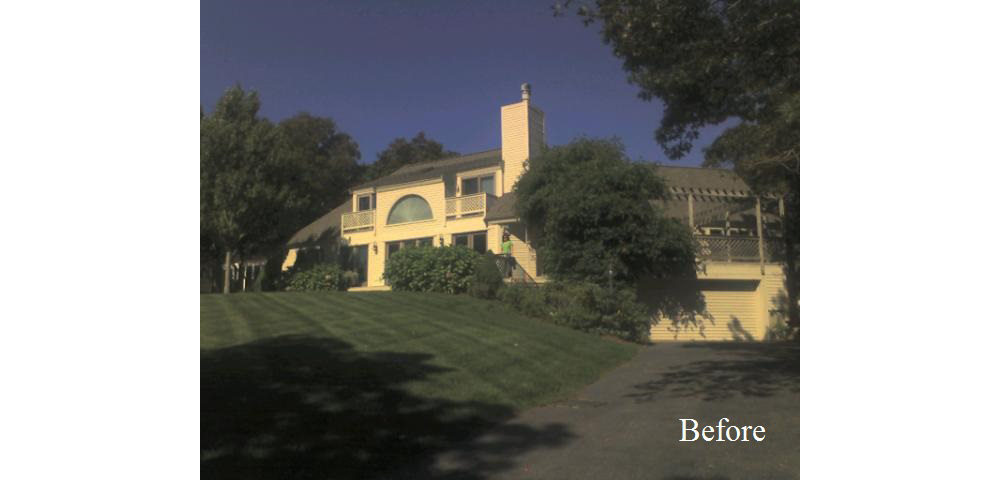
(225, 273)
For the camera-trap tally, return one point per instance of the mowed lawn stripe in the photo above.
(242, 332)
(315, 313)
(336, 314)
(461, 356)
(218, 331)
(396, 323)
(512, 325)
(283, 318)
(348, 314)
(407, 323)
(488, 353)
(502, 350)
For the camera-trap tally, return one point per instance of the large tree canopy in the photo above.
(242, 192)
(710, 61)
(597, 216)
(322, 161)
(261, 182)
(403, 152)
(715, 61)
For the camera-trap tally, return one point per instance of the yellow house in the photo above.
(467, 200)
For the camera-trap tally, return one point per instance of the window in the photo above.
(471, 186)
(358, 261)
(473, 240)
(393, 247)
(366, 202)
(410, 208)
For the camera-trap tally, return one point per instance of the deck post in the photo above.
(729, 245)
(691, 211)
(760, 236)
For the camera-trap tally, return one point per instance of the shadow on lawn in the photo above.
(734, 368)
(305, 407)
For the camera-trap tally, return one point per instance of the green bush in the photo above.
(486, 280)
(527, 299)
(432, 269)
(319, 277)
(584, 306)
(351, 278)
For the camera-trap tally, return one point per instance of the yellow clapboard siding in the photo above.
(732, 315)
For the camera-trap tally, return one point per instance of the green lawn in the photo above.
(338, 385)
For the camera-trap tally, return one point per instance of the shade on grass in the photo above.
(331, 384)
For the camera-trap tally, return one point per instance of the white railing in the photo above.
(357, 220)
(468, 205)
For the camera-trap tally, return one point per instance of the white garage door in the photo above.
(732, 315)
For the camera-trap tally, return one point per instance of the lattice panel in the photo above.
(473, 203)
(358, 219)
(730, 249)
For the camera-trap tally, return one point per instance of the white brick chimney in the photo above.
(522, 134)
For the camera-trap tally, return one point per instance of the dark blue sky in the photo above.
(387, 69)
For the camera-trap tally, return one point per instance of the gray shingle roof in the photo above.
(502, 209)
(323, 228)
(437, 168)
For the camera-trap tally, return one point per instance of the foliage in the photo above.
(402, 152)
(322, 162)
(243, 196)
(486, 279)
(710, 62)
(447, 269)
(321, 277)
(260, 183)
(583, 306)
(596, 213)
(352, 278)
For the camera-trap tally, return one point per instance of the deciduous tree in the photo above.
(597, 217)
(243, 195)
(403, 152)
(715, 61)
(322, 161)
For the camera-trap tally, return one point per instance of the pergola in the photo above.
(708, 207)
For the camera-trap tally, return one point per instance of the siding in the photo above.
(738, 300)
(293, 254)
(438, 228)
(513, 142)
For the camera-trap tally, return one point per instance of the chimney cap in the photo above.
(525, 91)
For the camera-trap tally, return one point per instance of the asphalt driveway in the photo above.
(626, 425)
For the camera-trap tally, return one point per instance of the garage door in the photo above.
(732, 314)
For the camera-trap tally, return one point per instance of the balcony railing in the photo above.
(357, 220)
(739, 249)
(468, 204)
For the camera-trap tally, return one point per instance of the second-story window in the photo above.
(473, 185)
(410, 208)
(366, 202)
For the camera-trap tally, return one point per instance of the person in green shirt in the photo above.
(506, 247)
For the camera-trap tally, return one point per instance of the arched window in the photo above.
(410, 208)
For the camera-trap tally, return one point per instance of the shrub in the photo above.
(351, 278)
(584, 306)
(431, 269)
(529, 300)
(486, 280)
(319, 277)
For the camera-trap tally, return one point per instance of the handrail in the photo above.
(357, 220)
(468, 204)
(738, 249)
